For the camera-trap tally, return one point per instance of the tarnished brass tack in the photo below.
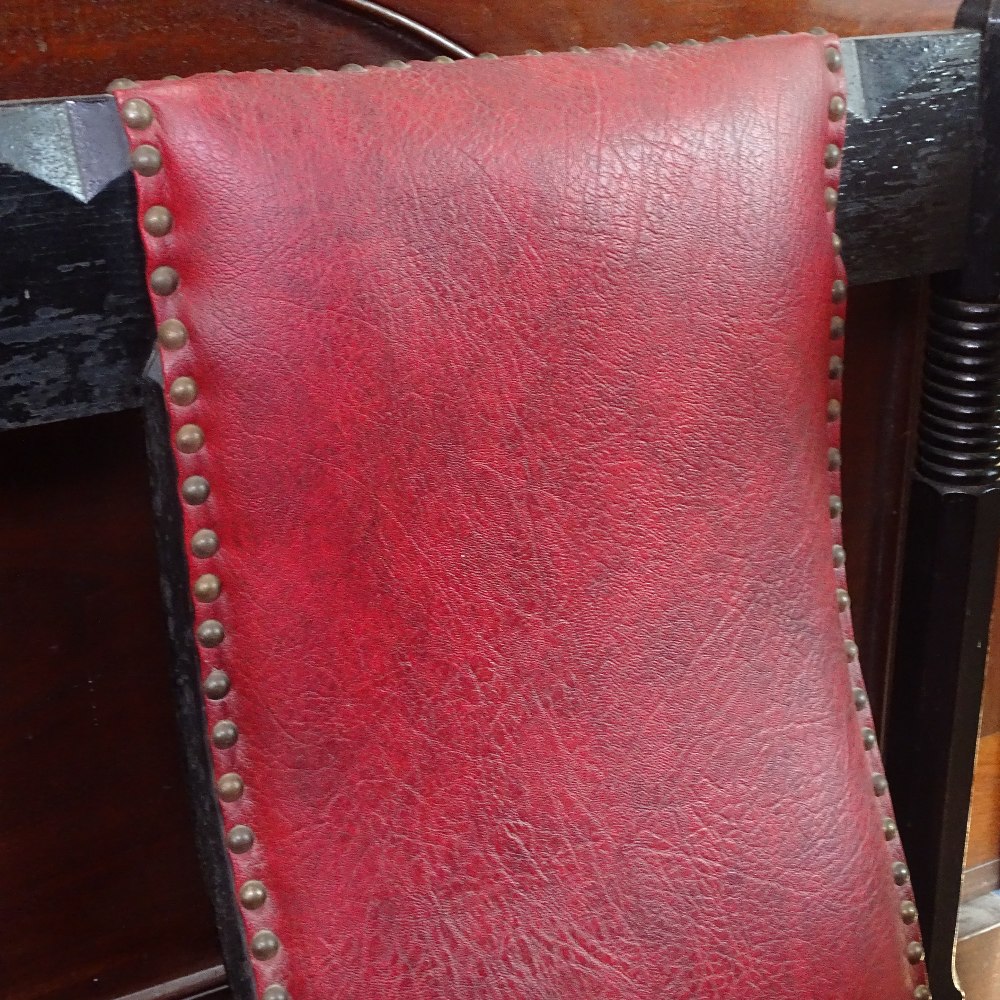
(204, 543)
(164, 280)
(830, 198)
(146, 160)
(900, 873)
(211, 633)
(183, 390)
(839, 556)
(818, 31)
(837, 108)
(225, 734)
(908, 911)
(119, 83)
(836, 327)
(352, 68)
(833, 409)
(833, 459)
(835, 367)
(276, 992)
(850, 649)
(190, 439)
(868, 738)
(264, 945)
(396, 64)
(879, 785)
(831, 157)
(659, 46)
(838, 291)
(860, 699)
(309, 71)
(240, 839)
(230, 787)
(195, 490)
(889, 829)
(157, 220)
(216, 685)
(914, 952)
(442, 59)
(172, 334)
(836, 506)
(843, 599)
(833, 59)
(838, 244)
(921, 993)
(253, 895)
(487, 55)
(207, 588)
(137, 113)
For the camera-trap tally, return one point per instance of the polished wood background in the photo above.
(101, 896)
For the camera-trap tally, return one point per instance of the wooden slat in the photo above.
(75, 325)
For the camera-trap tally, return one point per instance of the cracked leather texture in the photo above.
(513, 382)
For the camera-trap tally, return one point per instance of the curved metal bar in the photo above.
(394, 19)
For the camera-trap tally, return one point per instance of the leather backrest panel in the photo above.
(513, 384)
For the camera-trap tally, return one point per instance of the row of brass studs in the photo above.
(158, 221)
(832, 155)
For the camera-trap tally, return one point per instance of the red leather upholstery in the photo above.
(513, 378)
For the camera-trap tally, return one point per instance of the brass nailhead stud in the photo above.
(838, 108)
(836, 367)
(276, 992)
(659, 46)
(352, 68)
(157, 221)
(211, 633)
(720, 39)
(190, 438)
(224, 72)
(195, 490)
(443, 59)
(119, 83)
(836, 506)
(204, 543)
(830, 198)
(900, 873)
(860, 699)
(833, 459)
(838, 244)
(172, 76)
(851, 649)
(921, 993)
(230, 787)
(536, 52)
(253, 895)
(164, 280)
(493, 55)
(225, 734)
(833, 60)
(833, 409)
(216, 685)
(265, 945)
(172, 334)
(207, 588)
(831, 156)
(868, 738)
(818, 31)
(625, 47)
(836, 327)
(689, 42)
(146, 160)
(907, 912)
(838, 291)
(396, 64)
(839, 556)
(183, 391)
(240, 839)
(309, 71)
(843, 599)
(137, 113)
(879, 785)
(914, 952)
(889, 829)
